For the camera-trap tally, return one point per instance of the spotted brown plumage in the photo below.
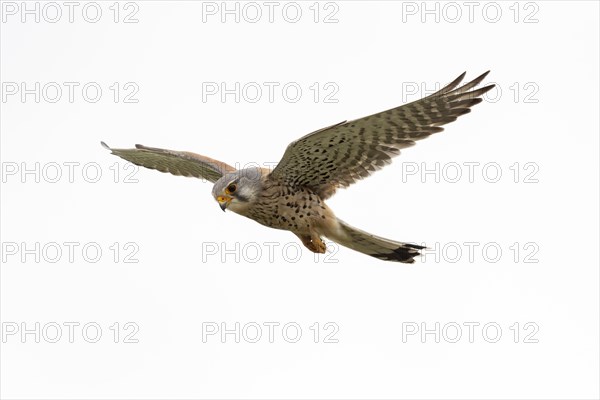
(291, 197)
(341, 154)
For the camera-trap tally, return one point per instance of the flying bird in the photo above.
(292, 196)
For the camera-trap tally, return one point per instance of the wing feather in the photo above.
(181, 163)
(341, 154)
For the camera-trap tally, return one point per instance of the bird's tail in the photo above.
(374, 246)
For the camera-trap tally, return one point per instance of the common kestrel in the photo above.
(292, 196)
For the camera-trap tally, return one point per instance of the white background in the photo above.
(373, 54)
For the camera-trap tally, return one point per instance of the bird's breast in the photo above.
(294, 209)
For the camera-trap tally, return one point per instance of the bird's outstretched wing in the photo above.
(341, 154)
(181, 163)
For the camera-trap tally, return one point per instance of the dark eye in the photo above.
(231, 188)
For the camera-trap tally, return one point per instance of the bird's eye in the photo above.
(231, 188)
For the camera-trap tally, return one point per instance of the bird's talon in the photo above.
(317, 246)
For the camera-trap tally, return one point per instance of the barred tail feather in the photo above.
(374, 246)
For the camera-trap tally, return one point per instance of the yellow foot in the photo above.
(314, 244)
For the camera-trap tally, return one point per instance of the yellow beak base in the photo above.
(224, 201)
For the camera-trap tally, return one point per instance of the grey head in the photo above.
(237, 190)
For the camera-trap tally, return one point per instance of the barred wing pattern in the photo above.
(341, 154)
(182, 163)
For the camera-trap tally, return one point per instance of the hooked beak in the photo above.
(224, 201)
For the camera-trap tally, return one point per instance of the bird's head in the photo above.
(237, 190)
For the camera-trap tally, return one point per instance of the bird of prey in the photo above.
(292, 196)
